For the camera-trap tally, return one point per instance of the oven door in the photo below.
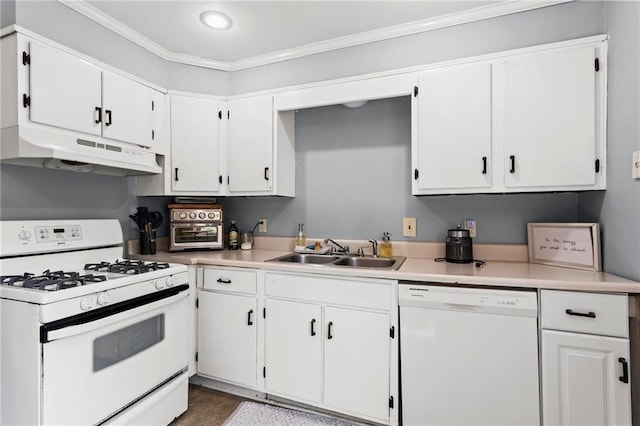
(96, 365)
(195, 235)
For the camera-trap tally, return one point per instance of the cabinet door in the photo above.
(549, 119)
(293, 350)
(64, 90)
(127, 110)
(249, 145)
(454, 129)
(195, 144)
(356, 364)
(582, 380)
(227, 337)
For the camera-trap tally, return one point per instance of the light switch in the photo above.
(636, 165)
(470, 224)
(409, 227)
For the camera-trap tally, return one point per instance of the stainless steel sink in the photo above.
(316, 259)
(367, 262)
(345, 261)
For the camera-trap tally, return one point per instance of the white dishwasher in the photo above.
(468, 356)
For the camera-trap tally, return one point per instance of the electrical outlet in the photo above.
(409, 227)
(263, 225)
(471, 225)
(636, 165)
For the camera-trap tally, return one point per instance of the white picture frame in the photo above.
(569, 245)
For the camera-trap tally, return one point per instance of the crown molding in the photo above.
(484, 12)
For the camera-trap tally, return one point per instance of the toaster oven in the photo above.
(195, 226)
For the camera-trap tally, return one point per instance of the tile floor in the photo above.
(207, 407)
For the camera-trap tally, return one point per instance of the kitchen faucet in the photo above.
(374, 247)
(338, 248)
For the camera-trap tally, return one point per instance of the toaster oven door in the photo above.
(196, 235)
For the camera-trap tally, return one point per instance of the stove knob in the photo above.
(24, 235)
(192, 215)
(158, 284)
(170, 282)
(103, 298)
(85, 304)
(202, 215)
(212, 215)
(182, 215)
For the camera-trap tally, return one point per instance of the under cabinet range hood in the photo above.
(41, 146)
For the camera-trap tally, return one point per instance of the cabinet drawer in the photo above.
(233, 280)
(593, 313)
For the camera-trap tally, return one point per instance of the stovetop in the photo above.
(57, 280)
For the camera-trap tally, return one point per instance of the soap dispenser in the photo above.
(386, 250)
(301, 241)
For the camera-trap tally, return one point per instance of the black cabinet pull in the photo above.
(580, 314)
(513, 164)
(266, 173)
(484, 165)
(109, 122)
(415, 174)
(99, 119)
(220, 179)
(176, 176)
(223, 281)
(249, 322)
(153, 134)
(625, 370)
(313, 327)
(329, 336)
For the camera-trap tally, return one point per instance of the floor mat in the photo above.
(257, 414)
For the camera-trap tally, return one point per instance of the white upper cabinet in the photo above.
(249, 143)
(454, 129)
(550, 119)
(523, 121)
(195, 144)
(127, 110)
(68, 92)
(65, 90)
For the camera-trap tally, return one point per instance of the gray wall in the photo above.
(7, 13)
(353, 180)
(618, 209)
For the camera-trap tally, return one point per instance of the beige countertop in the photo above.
(499, 273)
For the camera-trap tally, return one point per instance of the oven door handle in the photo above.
(97, 318)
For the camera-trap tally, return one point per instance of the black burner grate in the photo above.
(126, 266)
(51, 281)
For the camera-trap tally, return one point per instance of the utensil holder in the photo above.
(148, 242)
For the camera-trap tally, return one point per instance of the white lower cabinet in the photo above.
(329, 343)
(227, 326)
(585, 377)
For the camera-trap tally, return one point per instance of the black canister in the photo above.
(459, 247)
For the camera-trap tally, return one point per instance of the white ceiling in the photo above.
(268, 31)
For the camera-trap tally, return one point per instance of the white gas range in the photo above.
(87, 336)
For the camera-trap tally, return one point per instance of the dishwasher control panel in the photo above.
(508, 302)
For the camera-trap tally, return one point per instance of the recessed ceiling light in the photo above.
(216, 20)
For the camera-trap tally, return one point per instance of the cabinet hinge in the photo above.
(196, 356)
(26, 100)
(220, 179)
(264, 372)
(597, 165)
(415, 174)
(220, 115)
(392, 332)
(264, 313)
(227, 180)
(197, 303)
(415, 91)
(26, 58)
(391, 401)
(597, 64)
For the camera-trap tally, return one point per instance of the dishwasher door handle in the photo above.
(461, 306)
